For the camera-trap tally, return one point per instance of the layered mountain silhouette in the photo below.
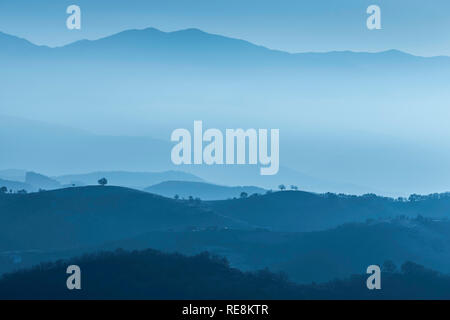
(41, 181)
(366, 118)
(202, 190)
(154, 82)
(16, 185)
(304, 256)
(13, 174)
(154, 275)
(50, 148)
(74, 217)
(55, 149)
(128, 179)
(305, 211)
(272, 230)
(195, 45)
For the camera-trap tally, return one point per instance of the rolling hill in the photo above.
(303, 257)
(305, 211)
(75, 217)
(311, 256)
(292, 231)
(202, 190)
(138, 180)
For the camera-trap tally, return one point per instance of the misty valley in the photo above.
(300, 152)
(302, 238)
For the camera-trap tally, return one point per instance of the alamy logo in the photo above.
(374, 20)
(374, 280)
(74, 20)
(236, 151)
(74, 280)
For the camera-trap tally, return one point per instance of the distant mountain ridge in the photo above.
(41, 182)
(155, 38)
(202, 190)
(158, 81)
(49, 148)
(13, 174)
(58, 148)
(10, 42)
(16, 185)
(191, 48)
(127, 178)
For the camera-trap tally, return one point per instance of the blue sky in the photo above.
(418, 27)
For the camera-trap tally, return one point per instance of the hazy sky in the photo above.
(384, 128)
(418, 27)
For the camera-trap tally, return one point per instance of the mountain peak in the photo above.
(11, 41)
(190, 30)
(176, 39)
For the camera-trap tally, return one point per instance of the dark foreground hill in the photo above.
(312, 256)
(202, 190)
(74, 217)
(152, 275)
(50, 225)
(304, 257)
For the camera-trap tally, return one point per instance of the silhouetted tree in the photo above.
(103, 181)
(282, 187)
(244, 195)
(3, 190)
(294, 187)
(176, 197)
